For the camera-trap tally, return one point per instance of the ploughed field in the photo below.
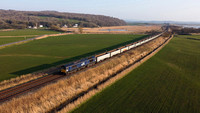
(44, 53)
(168, 82)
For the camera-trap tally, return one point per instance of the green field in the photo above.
(167, 83)
(5, 40)
(25, 32)
(40, 54)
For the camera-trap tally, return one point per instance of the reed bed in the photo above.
(51, 96)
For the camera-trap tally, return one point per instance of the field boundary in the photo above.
(81, 98)
(17, 36)
(31, 39)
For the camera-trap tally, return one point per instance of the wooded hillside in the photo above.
(23, 19)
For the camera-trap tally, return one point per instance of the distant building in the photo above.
(65, 26)
(35, 27)
(29, 27)
(75, 25)
(41, 26)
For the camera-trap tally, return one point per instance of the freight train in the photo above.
(86, 62)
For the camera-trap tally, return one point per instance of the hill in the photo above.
(23, 19)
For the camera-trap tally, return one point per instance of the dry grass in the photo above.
(25, 78)
(129, 29)
(18, 80)
(84, 98)
(50, 96)
(6, 29)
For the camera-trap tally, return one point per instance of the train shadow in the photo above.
(46, 66)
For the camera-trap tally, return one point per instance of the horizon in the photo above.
(135, 10)
(127, 20)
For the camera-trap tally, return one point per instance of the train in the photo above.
(89, 61)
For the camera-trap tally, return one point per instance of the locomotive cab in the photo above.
(63, 69)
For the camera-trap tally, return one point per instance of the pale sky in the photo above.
(148, 10)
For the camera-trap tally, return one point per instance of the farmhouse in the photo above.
(76, 25)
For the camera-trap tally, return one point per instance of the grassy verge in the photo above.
(168, 82)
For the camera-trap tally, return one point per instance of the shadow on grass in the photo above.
(45, 66)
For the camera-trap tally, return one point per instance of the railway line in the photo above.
(15, 91)
(25, 87)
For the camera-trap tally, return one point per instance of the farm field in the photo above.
(6, 40)
(168, 82)
(26, 32)
(40, 54)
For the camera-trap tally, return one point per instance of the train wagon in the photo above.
(132, 46)
(70, 67)
(114, 52)
(102, 57)
(123, 49)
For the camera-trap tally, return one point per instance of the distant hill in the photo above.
(23, 19)
(131, 22)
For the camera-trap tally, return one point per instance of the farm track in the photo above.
(15, 91)
(31, 39)
(25, 87)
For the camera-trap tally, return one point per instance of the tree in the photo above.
(80, 29)
(55, 28)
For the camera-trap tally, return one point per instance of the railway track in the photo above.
(25, 87)
(31, 85)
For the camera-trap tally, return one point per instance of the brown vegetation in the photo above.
(50, 96)
(127, 29)
(91, 93)
(18, 80)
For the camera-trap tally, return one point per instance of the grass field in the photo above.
(52, 51)
(25, 32)
(168, 82)
(5, 40)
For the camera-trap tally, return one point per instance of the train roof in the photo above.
(78, 61)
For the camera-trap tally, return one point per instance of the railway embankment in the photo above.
(74, 90)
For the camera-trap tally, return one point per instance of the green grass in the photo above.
(24, 32)
(5, 40)
(167, 83)
(40, 54)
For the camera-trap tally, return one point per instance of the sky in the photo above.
(136, 10)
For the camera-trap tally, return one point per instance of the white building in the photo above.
(75, 25)
(65, 26)
(35, 27)
(29, 27)
(41, 26)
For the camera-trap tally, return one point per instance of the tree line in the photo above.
(23, 19)
(184, 30)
